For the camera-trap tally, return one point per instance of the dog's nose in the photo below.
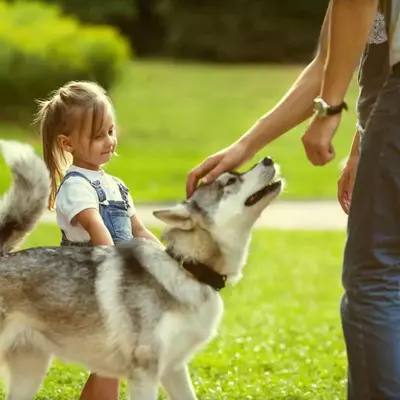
(267, 162)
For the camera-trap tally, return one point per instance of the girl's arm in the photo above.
(91, 221)
(139, 230)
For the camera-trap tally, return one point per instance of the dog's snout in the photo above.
(267, 162)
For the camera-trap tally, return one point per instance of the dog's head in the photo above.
(225, 209)
(234, 199)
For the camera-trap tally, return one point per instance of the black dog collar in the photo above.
(202, 272)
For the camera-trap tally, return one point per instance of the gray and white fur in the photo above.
(127, 311)
(24, 203)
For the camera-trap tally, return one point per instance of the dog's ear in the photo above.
(177, 217)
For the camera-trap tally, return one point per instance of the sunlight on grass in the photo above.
(172, 115)
(280, 337)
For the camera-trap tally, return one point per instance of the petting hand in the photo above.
(317, 140)
(225, 160)
(346, 183)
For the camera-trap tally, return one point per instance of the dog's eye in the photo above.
(231, 181)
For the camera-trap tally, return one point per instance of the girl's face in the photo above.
(90, 145)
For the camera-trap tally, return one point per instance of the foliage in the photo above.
(40, 49)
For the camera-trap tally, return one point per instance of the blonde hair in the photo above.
(63, 112)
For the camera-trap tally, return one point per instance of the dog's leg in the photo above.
(26, 371)
(177, 384)
(143, 386)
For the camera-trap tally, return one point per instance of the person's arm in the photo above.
(297, 104)
(355, 145)
(91, 221)
(77, 201)
(139, 230)
(348, 175)
(351, 23)
(294, 108)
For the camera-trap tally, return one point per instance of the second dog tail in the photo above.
(23, 204)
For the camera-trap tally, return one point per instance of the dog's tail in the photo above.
(24, 203)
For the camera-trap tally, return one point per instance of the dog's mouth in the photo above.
(257, 196)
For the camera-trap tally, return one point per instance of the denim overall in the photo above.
(114, 213)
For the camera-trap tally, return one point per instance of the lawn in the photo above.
(172, 115)
(280, 337)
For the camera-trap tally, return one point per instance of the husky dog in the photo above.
(137, 310)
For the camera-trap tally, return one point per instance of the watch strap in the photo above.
(332, 110)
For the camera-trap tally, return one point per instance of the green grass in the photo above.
(280, 337)
(173, 115)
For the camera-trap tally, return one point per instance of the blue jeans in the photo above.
(370, 308)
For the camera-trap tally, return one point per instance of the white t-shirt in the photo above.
(77, 194)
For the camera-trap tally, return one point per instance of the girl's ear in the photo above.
(65, 143)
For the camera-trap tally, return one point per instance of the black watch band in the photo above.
(332, 110)
(322, 108)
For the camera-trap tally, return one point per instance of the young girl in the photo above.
(93, 208)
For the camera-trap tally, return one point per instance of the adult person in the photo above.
(370, 307)
(373, 72)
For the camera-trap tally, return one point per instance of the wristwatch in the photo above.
(322, 108)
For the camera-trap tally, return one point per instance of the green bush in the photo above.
(99, 11)
(138, 20)
(243, 30)
(40, 49)
(211, 30)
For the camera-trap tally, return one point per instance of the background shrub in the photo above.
(211, 30)
(243, 30)
(40, 49)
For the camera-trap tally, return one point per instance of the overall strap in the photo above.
(95, 184)
(124, 192)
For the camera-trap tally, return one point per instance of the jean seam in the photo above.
(361, 337)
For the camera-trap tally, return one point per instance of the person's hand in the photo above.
(346, 183)
(227, 159)
(317, 140)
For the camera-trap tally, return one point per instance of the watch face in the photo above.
(320, 107)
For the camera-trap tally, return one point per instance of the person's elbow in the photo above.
(316, 69)
(320, 58)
